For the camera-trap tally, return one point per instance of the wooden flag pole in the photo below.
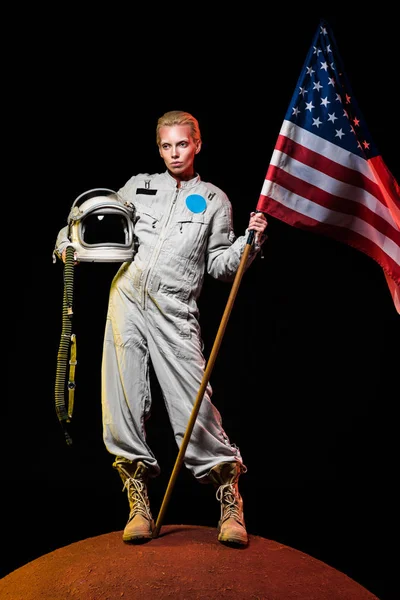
(203, 385)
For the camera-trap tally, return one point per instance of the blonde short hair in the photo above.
(179, 117)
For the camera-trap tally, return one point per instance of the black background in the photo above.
(307, 376)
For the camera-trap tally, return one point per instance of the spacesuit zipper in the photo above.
(157, 250)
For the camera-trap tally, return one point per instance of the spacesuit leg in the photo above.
(175, 346)
(126, 394)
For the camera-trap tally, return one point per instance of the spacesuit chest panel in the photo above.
(187, 232)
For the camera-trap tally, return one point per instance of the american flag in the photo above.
(326, 174)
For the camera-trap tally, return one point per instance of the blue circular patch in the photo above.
(196, 203)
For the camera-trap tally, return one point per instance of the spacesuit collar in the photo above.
(184, 184)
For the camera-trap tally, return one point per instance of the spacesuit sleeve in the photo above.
(62, 242)
(224, 250)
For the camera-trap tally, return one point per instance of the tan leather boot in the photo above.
(134, 475)
(231, 526)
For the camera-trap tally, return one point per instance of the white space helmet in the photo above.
(101, 227)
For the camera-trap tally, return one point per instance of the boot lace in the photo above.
(137, 498)
(230, 506)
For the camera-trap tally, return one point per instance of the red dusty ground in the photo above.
(184, 562)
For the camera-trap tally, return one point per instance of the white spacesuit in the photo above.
(153, 314)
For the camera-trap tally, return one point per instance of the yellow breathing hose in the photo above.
(67, 343)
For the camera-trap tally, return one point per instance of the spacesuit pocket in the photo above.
(189, 234)
(183, 325)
